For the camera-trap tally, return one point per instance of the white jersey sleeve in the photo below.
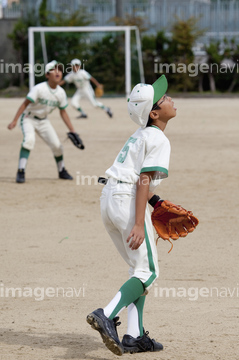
(157, 158)
(86, 75)
(157, 154)
(33, 94)
(63, 102)
(69, 78)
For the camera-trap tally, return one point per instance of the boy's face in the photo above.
(76, 68)
(165, 108)
(55, 75)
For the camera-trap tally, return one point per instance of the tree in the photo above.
(43, 13)
(184, 35)
(214, 60)
(172, 53)
(106, 57)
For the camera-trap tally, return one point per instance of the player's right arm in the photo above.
(92, 79)
(18, 114)
(69, 78)
(137, 235)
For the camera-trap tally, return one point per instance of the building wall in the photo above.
(215, 16)
(10, 2)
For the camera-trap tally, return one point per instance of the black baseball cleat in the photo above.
(20, 176)
(63, 174)
(109, 112)
(140, 344)
(107, 330)
(82, 116)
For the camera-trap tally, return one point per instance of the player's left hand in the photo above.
(172, 221)
(136, 237)
(12, 125)
(99, 90)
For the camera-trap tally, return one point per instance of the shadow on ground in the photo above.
(77, 346)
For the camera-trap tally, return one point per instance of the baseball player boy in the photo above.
(41, 101)
(139, 167)
(81, 79)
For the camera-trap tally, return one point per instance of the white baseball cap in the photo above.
(142, 99)
(51, 65)
(76, 62)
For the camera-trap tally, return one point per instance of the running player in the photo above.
(41, 101)
(81, 79)
(138, 168)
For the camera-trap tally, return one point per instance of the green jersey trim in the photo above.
(150, 259)
(154, 168)
(156, 127)
(21, 124)
(53, 91)
(30, 99)
(62, 108)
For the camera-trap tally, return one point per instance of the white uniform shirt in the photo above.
(80, 78)
(44, 100)
(146, 150)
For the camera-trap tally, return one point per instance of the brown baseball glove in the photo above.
(99, 91)
(172, 221)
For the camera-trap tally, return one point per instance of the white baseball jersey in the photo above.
(80, 78)
(146, 150)
(44, 100)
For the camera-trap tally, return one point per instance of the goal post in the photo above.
(83, 29)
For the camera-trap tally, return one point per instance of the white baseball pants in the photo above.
(87, 92)
(44, 129)
(118, 215)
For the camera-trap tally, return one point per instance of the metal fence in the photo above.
(11, 12)
(214, 16)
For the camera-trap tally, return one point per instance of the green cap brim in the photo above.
(160, 87)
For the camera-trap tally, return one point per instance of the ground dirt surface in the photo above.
(55, 252)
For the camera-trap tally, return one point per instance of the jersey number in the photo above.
(124, 152)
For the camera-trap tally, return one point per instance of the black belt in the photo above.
(102, 180)
(36, 117)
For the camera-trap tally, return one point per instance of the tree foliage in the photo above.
(104, 56)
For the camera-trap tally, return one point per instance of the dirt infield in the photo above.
(58, 259)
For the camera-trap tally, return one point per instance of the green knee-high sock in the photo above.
(139, 303)
(58, 158)
(59, 162)
(24, 153)
(130, 291)
(81, 110)
(23, 157)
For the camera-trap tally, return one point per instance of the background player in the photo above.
(139, 167)
(41, 101)
(81, 79)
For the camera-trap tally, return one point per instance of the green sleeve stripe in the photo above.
(154, 168)
(62, 108)
(30, 99)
